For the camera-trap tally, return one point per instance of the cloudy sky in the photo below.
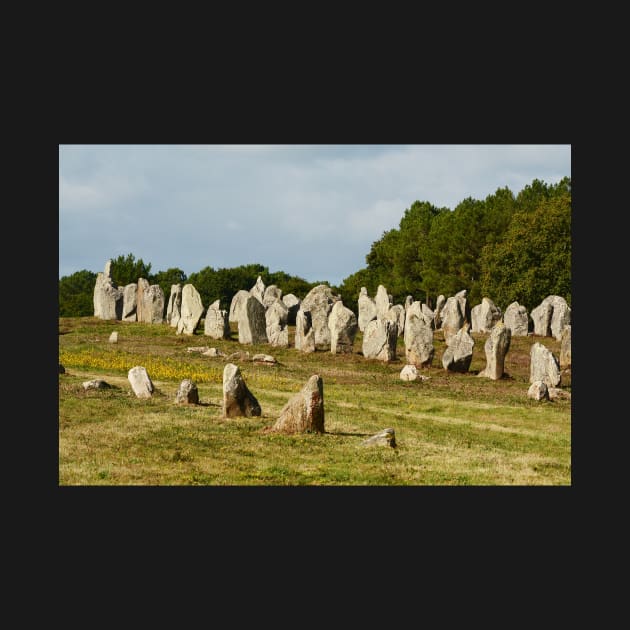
(312, 211)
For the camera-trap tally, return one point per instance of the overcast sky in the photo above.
(312, 211)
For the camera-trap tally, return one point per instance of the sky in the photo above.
(312, 211)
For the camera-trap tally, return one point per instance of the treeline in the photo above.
(505, 247)
(77, 290)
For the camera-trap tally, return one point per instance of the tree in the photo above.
(126, 269)
(76, 294)
(166, 279)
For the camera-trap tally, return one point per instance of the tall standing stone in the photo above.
(342, 323)
(541, 317)
(130, 302)
(379, 340)
(453, 318)
(496, 347)
(319, 301)
(367, 309)
(484, 316)
(174, 306)
(191, 310)
(140, 382)
(107, 297)
(458, 354)
(304, 413)
(142, 287)
(237, 305)
(216, 324)
(252, 324)
(271, 294)
(304, 333)
(418, 337)
(543, 366)
(516, 319)
(153, 304)
(276, 327)
(293, 304)
(565, 348)
(437, 312)
(382, 301)
(396, 314)
(258, 290)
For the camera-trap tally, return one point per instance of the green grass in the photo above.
(455, 429)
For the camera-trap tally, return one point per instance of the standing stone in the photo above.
(408, 302)
(565, 348)
(237, 306)
(496, 347)
(379, 340)
(258, 290)
(107, 297)
(541, 317)
(174, 306)
(216, 324)
(293, 304)
(252, 324)
(319, 301)
(276, 326)
(429, 315)
(304, 333)
(140, 382)
(342, 323)
(113, 338)
(560, 315)
(458, 354)
(130, 302)
(453, 318)
(142, 286)
(437, 312)
(538, 390)
(382, 301)
(191, 311)
(367, 309)
(397, 313)
(418, 337)
(271, 294)
(237, 399)
(484, 316)
(153, 304)
(516, 320)
(543, 366)
(304, 413)
(187, 393)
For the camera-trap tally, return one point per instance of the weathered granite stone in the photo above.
(130, 302)
(140, 382)
(216, 323)
(319, 301)
(496, 347)
(174, 306)
(187, 393)
(386, 437)
(367, 309)
(304, 412)
(516, 319)
(304, 333)
(458, 354)
(565, 348)
(484, 316)
(191, 310)
(342, 323)
(237, 306)
(418, 337)
(276, 323)
(538, 390)
(252, 325)
(96, 384)
(543, 366)
(379, 340)
(237, 399)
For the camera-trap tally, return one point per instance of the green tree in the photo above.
(76, 294)
(126, 269)
(166, 279)
(534, 259)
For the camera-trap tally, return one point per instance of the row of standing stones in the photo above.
(322, 322)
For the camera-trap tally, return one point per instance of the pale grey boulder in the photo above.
(238, 400)
(496, 347)
(96, 384)
(437, 312)
(453, 318)
(366, 308)
(409, 373)
(140, 381)
(264, 359)
(252, 324)
(304, 333)
(130, 302)
(319, 301)
(516, 320)
(216, 323)
(276, 323)
(191, 310)
(484, 316)
(237, 305)
(560, 315)
(541, 318)
(458, 354)
(304, 412)
(386, 437)
(174, 305)
(113, 338)
(543, 366)
(380, 339)
(342, 323)
(153, 304)
(142, 286)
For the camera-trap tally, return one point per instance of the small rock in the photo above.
(96, 384)
(386, 437)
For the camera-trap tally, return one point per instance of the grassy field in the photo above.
(454, 429)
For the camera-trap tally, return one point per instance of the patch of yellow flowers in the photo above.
(163, 368)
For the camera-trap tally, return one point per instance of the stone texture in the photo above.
(187, 393)
(237, 305)
(237, 399)
(484, 316)
(130, 302)
(543, 366)
(366, 308)
(96, 384)
(496, 347)
(458, 354)
(319, 301)
(386, 437)
(304, 412)
(113, 338)
(276, 323)
(140, 382)
(565, 348)
(379, 340)
(516, 319)
(107, 297)
(174, 306)
(304, 333)
(342, 323)
(418, 337)
(216, 323)
(293, 304)
(191, 310)
(382, 301)
(538, 390)
(252, 324)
